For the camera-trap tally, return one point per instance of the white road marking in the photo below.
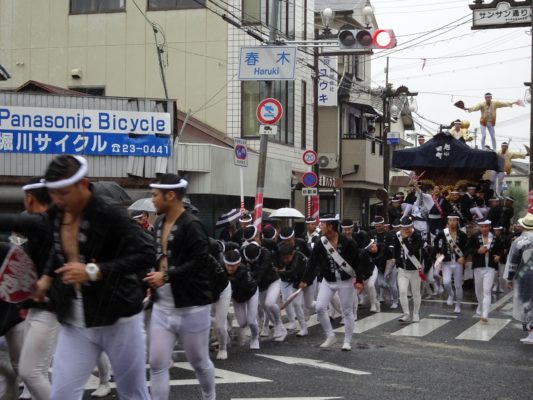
(313, 363)
(502, 301)
(422, 328)
(222, 376)
(365, 324)
(445, 301)
(288, 398)
(442, 316)
(484, 332)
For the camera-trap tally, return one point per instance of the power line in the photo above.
(460, 55)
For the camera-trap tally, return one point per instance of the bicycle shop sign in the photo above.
(39, 130)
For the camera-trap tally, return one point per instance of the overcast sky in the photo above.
(503, 64)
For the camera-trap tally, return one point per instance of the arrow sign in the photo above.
(307, 362)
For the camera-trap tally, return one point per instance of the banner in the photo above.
(18, 276)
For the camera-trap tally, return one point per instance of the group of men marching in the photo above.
(108, 288)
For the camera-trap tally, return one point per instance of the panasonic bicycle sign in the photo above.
(90, 132)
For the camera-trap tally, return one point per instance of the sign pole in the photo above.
(263, 145)
(241, 173)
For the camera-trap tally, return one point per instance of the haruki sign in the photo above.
(267, 63)
(77, 131)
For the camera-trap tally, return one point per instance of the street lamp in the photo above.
(368, 12)
(327, 15)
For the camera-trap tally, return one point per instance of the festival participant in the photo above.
(41, 327)
(291, 268)
(259, 261)
(457, 208)
(408, 247)
(507, 213)
(519, 274)
(142, 218)
(287, 235)
(337, 259)
(500, 283)
(244, 293)
(488, 116)
(244, 221)
(312, 233)
(183, 290)
(380, 253)
(451, 243)
(485, 249)
(99, 253)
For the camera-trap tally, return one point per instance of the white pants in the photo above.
(483, 279)
(246, 314)
(309, 293)
(497, 182)
(492, 133)
(295, 308)
(221, 309)
(8, 379)
(192, 326)
(78, 350)
(406, 279)
(40, 341)
(14, 339)
(450, 268)
(392, 284)
(370, 287)
(346, 294)
(269, 301)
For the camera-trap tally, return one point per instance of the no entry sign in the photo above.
(269, 111)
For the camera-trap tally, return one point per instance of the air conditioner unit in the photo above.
(327, 161)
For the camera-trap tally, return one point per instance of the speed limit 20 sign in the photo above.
(310, 157)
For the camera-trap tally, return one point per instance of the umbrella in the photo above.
(143, 205)
(286, 212)
(111, 189)
(227, 217)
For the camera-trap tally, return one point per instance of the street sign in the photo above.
(268, 130)
(393, 138)
(309, 191)
(269, 111)
(501, 14)
(241, 152)
(309, 179)
(267, 63)
(309, 157)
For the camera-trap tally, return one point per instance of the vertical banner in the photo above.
(258, 211)
(327, 81)
(315, 207)
(530, 203)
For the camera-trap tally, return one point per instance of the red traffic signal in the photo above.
(366, 39)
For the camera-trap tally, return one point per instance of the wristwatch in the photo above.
(92, 270)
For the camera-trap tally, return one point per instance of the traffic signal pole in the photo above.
(263, 144)
(531, 115)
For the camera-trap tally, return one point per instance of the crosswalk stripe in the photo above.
(484, 332)
(422, 328)
(371, 322)
(503, 300)
(442, 316)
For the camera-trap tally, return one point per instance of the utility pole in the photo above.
(531, 114)
(386, 127)
(263, 144)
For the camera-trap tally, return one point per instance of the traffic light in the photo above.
(366, 39)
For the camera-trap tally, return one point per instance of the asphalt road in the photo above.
(445, 356)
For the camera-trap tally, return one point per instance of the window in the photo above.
(252, 92)
(90, 90)
(156, 5)
(373, 147)
(304, 114)
(305, 20)
(251, 12)
(360, 64)
(517, 183)
(286, 13)
(95, 6)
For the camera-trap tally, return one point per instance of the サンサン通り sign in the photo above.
(91, 132)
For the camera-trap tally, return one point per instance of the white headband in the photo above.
(347, 226)
(247, 219)
(372, 241)
(287, 237)
(31, 186)
(330, 219)
(78, 176)
(182, 184)
(255, 233)
(232, 262)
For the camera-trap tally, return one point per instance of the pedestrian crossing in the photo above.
(426, 326)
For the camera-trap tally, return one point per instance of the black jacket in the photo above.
(243, 285)
(414, 245)
(380, 258)
(360, 238)
(9, 313)
(188, 261)
(322, 264)
(122, 251)
(383, 237)
(478, 260)
(294, 273)
(443, 247)
(495, 215)
(263, 269)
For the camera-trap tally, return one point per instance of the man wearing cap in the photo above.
(337, 259)
(99, 254)
(408, 247)
(519, 274)
(488, 116)
(457, 208)
(184, 291)
(32, 343)
(485, 249)
(495, 211)
(451, 243)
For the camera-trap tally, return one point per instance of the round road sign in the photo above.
(269, 111)
(309, 157)
(240, 152)
(309, 179)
